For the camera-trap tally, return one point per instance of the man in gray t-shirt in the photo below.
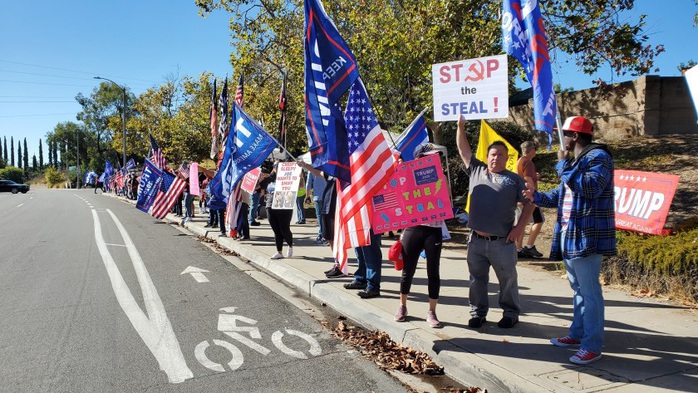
(494, 193)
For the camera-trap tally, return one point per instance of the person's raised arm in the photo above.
(309, 168)
(462, 141)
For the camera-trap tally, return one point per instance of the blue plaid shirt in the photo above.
(592, 226)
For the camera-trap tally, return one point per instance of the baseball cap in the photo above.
(425, 149)
(578, 124)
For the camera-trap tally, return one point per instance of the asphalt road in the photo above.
(93, 299)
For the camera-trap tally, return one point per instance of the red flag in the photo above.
(214, 124)
(282, 106)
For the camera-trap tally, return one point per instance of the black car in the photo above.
(10, 186)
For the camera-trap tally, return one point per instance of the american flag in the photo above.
(170, 189)
(119, 180)
(223, 126)
(385, 201)
(214, 124)
(232, 211)
(184, 170)
(240, 92)
(371, 164)
(156, 156)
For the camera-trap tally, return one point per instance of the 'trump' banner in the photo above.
(474, 88)
(642, 200)
(416, 194)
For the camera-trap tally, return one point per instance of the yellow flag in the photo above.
(487, 137)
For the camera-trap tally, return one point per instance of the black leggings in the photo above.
(414, 240)
(280, 222)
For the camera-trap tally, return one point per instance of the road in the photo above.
(98, 296)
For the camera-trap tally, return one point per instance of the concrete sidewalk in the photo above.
(650, 346)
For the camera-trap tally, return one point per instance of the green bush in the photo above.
(12, 173)
(54, 176)
(657, 265)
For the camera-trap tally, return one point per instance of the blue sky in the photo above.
(51, 50)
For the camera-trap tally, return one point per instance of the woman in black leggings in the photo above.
(414, 240)
(280, 222)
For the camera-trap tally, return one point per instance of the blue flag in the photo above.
(130, 164)
(247, 147)
(108, 169)
(148, 187)
(330, 70)
(414, 135)
(523, 36)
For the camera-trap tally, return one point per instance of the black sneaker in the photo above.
(476, 322)
(533, 252)
(335, 272)
(507, 322)
(524, 253)
(355, 285)
(369, 294)
(255, 224)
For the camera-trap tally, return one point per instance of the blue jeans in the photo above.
(300, 208)
(370, 259)
(188, 199)
(318, 213)
(254, 209)
(588, 321)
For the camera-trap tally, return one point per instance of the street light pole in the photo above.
(123, 114)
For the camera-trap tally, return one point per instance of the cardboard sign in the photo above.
(249, 181)
(416, 194)
(476, 88)
(194, 179)
(288, 177)
(642, 200)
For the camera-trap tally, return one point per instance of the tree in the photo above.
(4, 147)
(26, 157)
(102, 117)
(35, 164)
(55, 154)
(41, 155)
(50, 153)
(1, 149)
(19, 155)
(395, 43)
(12, 151)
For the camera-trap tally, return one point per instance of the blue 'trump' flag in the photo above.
(247, 147)
(149, 186)
(523, 36)
(130, 164)
(330, 70)
(414, 135)
(108, 169)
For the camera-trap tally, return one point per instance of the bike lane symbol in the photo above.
(246, 334)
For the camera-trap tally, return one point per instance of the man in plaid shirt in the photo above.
(584, 232)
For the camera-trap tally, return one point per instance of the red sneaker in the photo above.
(566, 341)
(584, 357)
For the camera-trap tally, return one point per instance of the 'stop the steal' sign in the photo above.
(642, 200)
(416, 194)
(474, 88)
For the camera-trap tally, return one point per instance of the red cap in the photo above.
(578, 124)
(395, 255)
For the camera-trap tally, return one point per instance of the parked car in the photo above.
(10, 186)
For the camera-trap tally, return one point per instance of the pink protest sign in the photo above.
(416, 194)
(194, 179)
(249, 181)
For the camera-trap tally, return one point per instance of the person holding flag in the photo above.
(494, 194)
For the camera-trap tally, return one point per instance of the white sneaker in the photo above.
(277, 256)
(289, 253)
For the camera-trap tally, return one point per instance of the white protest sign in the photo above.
(475, 88)
(288, 177)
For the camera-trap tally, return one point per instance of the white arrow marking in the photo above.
(197, 273)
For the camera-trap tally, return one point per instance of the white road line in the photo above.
(155, 328)
(115, 245)
(20, 205)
